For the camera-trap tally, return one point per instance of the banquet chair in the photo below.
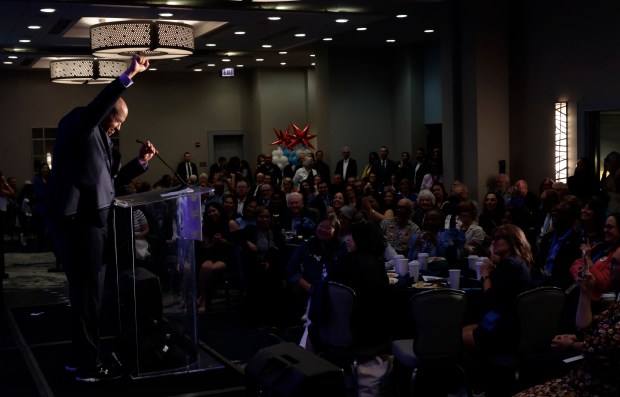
(332, 335)
(539, 312)
(437, 341)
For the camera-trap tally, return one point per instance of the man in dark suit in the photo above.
(186, 168)
(384, 167)
(347, 167)
(87, 173)
(321, 166)
(421, 168)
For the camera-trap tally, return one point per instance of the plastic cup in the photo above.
(478, 268)
(454, 277)
(401, 266)
(414, 270)
(608, 299)
(423, 259)
(472, 261)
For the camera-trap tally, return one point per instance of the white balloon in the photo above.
(277, 152)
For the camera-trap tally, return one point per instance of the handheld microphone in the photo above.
(166, 164)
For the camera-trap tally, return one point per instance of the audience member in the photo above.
(405, 190)
(321, 166)
(474, 235)
(583, 183)
(434, 176)
(436, 241)
(439, 191)
(269, 168)
(304, 172)
(560, 247)
(399, 229)
(404, 168)
(347, 167)
(217, 252)
(592, 220)
(610, 182)
(426, 201)
(388, 202)
(218, 167)
(491, 215)
(384, 167)
(600, 258)
(322, 201)
(351, 197)
(598, 373)
(420, 169)
(373, 157)
(186, 168)
(504, 277)
(242, 191)
(298, 218)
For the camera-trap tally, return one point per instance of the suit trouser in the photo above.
(80, 242)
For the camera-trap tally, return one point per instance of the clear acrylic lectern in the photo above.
(154, 238)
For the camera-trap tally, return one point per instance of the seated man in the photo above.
(298, 218)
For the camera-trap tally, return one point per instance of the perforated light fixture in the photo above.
(86, 71)
(561, 141)
(153, 39)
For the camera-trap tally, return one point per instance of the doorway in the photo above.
(226, 144)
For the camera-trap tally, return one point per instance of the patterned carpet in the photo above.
(30, 271)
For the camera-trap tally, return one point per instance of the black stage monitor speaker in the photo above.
(286, 369)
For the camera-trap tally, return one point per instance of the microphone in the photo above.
(166, 164)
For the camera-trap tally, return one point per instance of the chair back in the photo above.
(438, 322)
(336, 331)
(539, 312)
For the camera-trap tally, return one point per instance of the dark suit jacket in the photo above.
(351, 168)
(86, 170)
(384, 175)
(182, 170)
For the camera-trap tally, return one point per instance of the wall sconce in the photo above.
(561, 141)
(86, 71)
(153, 39)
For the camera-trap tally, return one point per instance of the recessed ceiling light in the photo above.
(24, 41)
(176, 59)
(312, 55)
(165, 14)
(210, 44)
(7, 62)
(12, 57)
(327, 39)
(429, 30)
(266, 46)
(282, 52)
(197, 70)
(300, 35)
(152, 69)
(239, 66)
(362, 29)
(401, 16)
(342, 20)
(390, 41)
(34, 27)
(240, 32)
(274, 18)
(283, 63)
(211, 65)
(259, 59)
(47, 10)
(225, 60)
(313, 64)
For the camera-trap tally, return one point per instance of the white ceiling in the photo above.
(65, 33)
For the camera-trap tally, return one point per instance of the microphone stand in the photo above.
(166, 164)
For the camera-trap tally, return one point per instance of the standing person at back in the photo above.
(218, 167)
(86, 171)
(186, 168)
(321, 166)
(384, 167)
(347, 167)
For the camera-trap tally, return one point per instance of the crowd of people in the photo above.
(285, 230)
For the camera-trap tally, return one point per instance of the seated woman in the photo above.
(598, 374)
(600, 258)
(262, 266)
(388, 202)
(248, 217)
(492, 212)
(504, 277)
(363, 269)
(426, 201)
(474, 235)
(217, 252)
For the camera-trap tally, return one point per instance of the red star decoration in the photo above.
(301, 136)
(284, 138)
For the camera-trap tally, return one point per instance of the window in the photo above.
(43, 140)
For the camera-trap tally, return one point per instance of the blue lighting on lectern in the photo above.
(228, 72)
